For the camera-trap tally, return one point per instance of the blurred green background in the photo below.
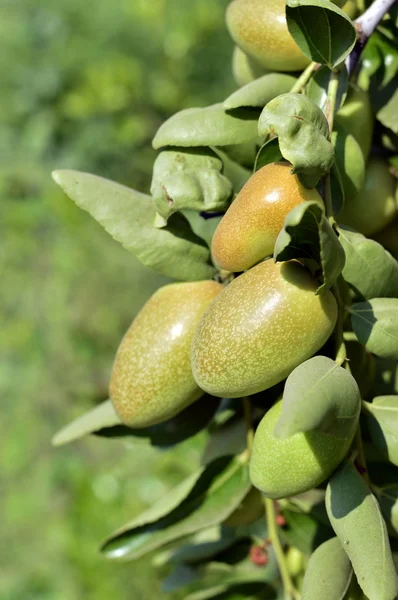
(82, 85)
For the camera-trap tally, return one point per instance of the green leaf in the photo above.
(260, 91)
(103, 415)
(268, 153)
(202, 224)
(382, 416)
(237, 174)
(388, 500)
(311, 503)
(328, 573)
(128, 216)
(356, 518)
(386, 377)
(376, 325)
(189, 179)
(209, 126)
(321, 395)
(238, 591)
(308, 234)
(323, 32)
(369, 269)
(228, 439)
(350, 162)
(317, 88)
(218, 491)
(388, 114)
(362, 364)
(303, 134)
(304, 532)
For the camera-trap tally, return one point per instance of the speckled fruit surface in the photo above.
(151, 378)
(375, 206)
(259, 28)
(263, 325)
(248, 231)
(284, 467)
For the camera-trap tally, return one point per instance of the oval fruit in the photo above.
(285, 467)
(259, 28)
(263, 325)
(375, 206)
(151, 379)
(244, 68)
(248, 231)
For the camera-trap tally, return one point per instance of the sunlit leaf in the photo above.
(260, 91)
(99, 417)
(383, 425)
(376, 325)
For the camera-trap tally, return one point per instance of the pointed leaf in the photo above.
(356, 518)
(369, 269)
(128, 215)
(388, 500)
(323, 32)
(303, 134)
(268, 153)
(217, 493)
(99, 417)
(328, 573)
(321, 395)
(383, 425)
(237, 174)
(260, 91)
(308, 234)
(376, 325)
(189, 179)
(304, 532)
(209, 126)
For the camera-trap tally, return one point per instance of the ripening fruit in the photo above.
(248, 231)
(356, 116)
(285, 467)
(259, 28)
(151, 378)
(244, 68)
(263, 325)
(376, 205)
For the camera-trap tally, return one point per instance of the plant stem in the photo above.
(332, 97)
(288, 587)
(341, 351)
(365, 25)
(247, 407)
(360, 459)
(304, 77)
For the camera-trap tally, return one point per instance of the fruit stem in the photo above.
(304, 77)
(288, 587)
(247, 407)
(331, 98)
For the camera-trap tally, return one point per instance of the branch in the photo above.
(365, 26)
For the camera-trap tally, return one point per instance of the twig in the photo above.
(365, 26)
(304, 77)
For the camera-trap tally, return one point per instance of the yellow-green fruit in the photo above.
(251, 509)
(259, 28)
(285, 467)
(151, 378)
(244, 68)
(356, 116)
(350, 8)
(262, 325)
(248, 231)
(375, 206)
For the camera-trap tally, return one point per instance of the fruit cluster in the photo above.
(284, 310)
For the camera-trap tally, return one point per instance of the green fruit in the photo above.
(244, 68)
(250, 509)
(375, 205)
(388, 237)
(350, 8)
(259, 28)
(151, 378)
(248, 231)
(356, 116)
(285, 467)
(263, 325)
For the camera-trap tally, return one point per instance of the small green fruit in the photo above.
(285, 467)
(375, 206)
(263, 325)
(245, 68)
(151, 378)
(248, 231)
(259, 28)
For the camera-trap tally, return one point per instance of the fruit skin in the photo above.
(248, 231)
(151, 379)
(244, 68)
(375, 206)
(259, 28)
(263, 325)
(285, 467)
(356, 116)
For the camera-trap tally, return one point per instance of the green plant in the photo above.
(328, 291)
